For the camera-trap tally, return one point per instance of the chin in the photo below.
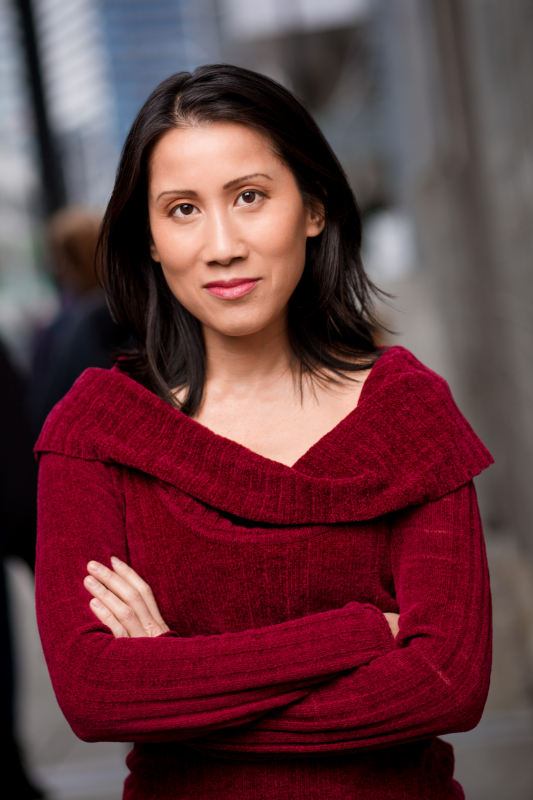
(239, 328)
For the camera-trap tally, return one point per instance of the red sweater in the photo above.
(280, 679)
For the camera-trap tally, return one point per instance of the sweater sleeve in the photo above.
(436, 678)
(171, 687)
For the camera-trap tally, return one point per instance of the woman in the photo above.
(256, 490)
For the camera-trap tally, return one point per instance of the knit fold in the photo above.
(406, 443)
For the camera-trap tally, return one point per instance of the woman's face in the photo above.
(228, 225)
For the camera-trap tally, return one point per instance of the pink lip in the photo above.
(236, 287)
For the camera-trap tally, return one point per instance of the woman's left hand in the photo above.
(123, 601)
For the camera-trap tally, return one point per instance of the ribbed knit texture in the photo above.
(280, 679)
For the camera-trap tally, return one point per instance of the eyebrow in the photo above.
(246, 178)
(192, 193)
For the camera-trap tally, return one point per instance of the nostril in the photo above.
(225, 262)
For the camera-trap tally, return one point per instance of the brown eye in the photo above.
(186, 209)
(248, 198)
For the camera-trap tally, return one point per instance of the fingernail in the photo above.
(95, 603)
(94, 566)
(91, 581)
(116, 560)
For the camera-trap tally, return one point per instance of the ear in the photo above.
(316, 219)
(153, 250)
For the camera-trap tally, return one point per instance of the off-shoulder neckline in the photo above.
(347, 419)
(405, 442)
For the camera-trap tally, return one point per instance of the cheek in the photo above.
(172, 251)
(179, 273)
(286, 251)
(182, 284)
(281, 234)
(176, 258)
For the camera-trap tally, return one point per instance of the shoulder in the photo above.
(100, 402)
(401, 388)
(109, 417)
(399, 370)
(408, 430)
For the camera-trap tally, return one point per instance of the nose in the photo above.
(223, 242)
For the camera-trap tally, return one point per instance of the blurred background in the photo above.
(429, 107)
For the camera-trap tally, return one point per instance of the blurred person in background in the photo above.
(289, 587)
(84, 334)
(18, 521)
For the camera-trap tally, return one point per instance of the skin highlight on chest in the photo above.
(276, 420)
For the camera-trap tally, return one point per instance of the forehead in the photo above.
(214, 149)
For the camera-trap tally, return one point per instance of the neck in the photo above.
(245, 363)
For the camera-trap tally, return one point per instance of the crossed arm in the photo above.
(436, 678)
(325, 683)
(124, 602)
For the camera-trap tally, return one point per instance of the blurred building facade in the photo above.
(100, 61)
(148, 41)
(21, 291)
(427, 105)
(467, 69)
(96, 62)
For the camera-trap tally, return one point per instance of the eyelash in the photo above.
(251, 191)
(260, 195)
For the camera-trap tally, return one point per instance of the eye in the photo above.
(184, 210)
(248, 198)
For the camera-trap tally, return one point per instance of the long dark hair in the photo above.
(331, 322)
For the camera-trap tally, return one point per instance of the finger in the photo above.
(123, 590)
(104, 615)
(393, 620)
(135, 580)
(123, 612)
(130, 595)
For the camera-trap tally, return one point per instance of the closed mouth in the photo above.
(232, 288)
